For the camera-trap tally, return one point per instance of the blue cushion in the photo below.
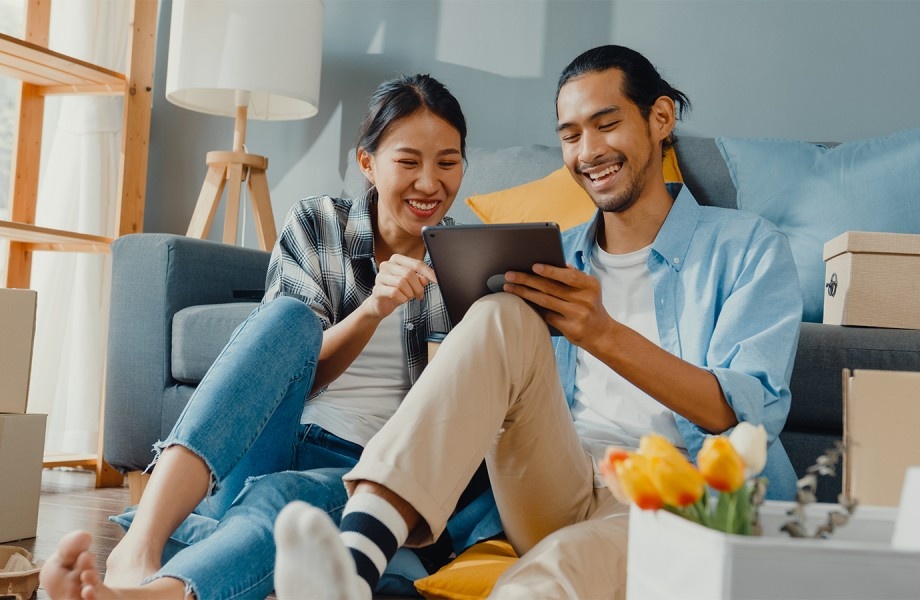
(813, 194)
(200, 334)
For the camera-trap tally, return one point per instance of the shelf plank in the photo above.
(44, 238)
(42, 67)
(70, 460)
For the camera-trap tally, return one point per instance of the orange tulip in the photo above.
(720, 464)
(678, 482)
(613, 456)
(607, 468)
(635, 476)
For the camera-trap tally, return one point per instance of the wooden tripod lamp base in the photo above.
(234, 168)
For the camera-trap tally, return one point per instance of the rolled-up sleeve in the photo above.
(754, 339)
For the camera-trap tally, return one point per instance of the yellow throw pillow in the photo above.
(471, 575)
(556, 197)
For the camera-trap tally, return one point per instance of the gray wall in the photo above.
(815, 70)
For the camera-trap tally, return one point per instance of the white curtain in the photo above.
(77, 191)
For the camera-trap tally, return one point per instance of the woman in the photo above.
(350, 299)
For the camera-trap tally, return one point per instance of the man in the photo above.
(677, 319)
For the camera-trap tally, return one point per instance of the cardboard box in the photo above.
(871, 280)
(671, 557)
(17, 324)
(881, 410)
(22, 446)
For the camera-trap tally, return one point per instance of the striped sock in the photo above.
(372, 530)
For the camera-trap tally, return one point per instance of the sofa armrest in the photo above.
(153, 277)
(816, 418)
(825, 350)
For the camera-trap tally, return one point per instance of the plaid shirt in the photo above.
(325, 257)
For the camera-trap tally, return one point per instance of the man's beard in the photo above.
(624, 200)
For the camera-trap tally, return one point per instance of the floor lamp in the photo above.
(246, 59)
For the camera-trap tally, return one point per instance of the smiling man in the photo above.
(677, 319)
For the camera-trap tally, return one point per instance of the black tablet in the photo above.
(470, 261)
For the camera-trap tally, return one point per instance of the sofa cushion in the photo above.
(472, 574)
(704, 171)
(556, 197)
(199, 333)
(814, 193)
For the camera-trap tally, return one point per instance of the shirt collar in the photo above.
(673, 238)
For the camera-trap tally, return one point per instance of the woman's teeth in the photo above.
(423, 206)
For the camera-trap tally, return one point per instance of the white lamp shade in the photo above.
(270, 49)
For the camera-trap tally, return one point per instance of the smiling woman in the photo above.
(416, 171)
(308, 378)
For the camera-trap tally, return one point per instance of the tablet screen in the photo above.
(470, 260)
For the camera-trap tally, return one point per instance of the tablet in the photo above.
(470, 261)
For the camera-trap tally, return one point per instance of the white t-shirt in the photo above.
(608, 410)
(357, 404)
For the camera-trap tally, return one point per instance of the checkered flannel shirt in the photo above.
(325, 257)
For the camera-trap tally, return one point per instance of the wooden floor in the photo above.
(69, 501)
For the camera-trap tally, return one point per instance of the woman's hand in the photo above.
(398, 280)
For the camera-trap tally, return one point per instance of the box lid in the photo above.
(872, 242)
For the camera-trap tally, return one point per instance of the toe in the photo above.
(72, 546)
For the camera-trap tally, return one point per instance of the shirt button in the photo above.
(410, 326)
(676, 260)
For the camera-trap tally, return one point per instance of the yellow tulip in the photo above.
(678, 481)
(654, 445)
(720, 464)
(635, 476)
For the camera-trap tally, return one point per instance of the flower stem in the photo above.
(731, 517)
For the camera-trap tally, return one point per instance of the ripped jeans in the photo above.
(244, 422)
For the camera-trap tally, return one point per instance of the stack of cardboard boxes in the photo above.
(22, 436)
(871, 281)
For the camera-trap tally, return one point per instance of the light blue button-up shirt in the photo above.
(727, 299)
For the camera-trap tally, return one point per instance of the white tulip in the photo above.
(751, 443)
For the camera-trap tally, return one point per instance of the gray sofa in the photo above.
(175, 301)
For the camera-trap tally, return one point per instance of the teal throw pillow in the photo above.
(813, 193)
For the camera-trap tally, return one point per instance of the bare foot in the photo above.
(311, 559)
(62, 576)
(71, 574)
(126, 567)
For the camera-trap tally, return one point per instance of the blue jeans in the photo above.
(244, 422)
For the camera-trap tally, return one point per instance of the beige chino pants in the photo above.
(493, 392)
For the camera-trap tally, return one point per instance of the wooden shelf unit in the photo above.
(55, 73)
(44, 72)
